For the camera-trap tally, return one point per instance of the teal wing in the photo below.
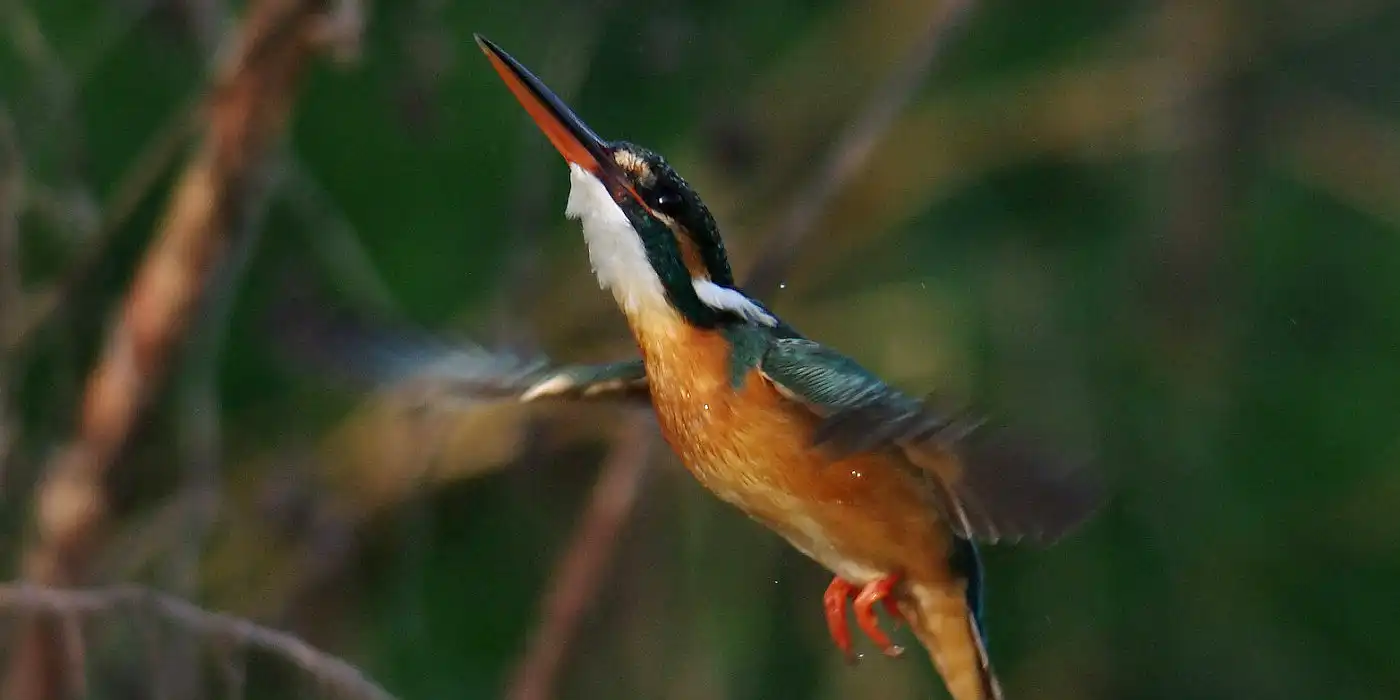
(390, 356)
(615, 381)
(989, 487)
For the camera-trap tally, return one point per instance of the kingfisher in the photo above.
(889, 492)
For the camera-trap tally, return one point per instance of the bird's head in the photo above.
(651, 239)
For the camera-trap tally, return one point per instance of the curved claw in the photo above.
(878, 591)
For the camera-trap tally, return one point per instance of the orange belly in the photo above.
(864, 517)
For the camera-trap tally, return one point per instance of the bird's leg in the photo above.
(835, 603)
(879, 590)
(892, 607)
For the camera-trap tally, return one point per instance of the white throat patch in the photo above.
(620, 261)
(614, 248)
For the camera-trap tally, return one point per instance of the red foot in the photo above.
(834, 601)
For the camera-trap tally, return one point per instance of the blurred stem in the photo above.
(1191, 300)
(197, 398)
(333, 238)
(852, 149)
(136, 183)
(73, 604)
(11, 281)
(579, 574)
(212, 204)
(208, 21)
(199, 435)
(59, 94)
(1201, 114)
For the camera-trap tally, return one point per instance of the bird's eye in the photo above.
(667, 202)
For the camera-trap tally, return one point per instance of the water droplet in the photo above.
(707, 407)
(856, 473)
(782, 285)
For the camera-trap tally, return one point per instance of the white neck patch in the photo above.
(614, 248)
(620, 262)
(733, 300)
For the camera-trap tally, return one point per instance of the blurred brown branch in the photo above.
(11, 283)
(210, 211)
(209, 626)
(853, 149)
(581, 570)
(178, 672)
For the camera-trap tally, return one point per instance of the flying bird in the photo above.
(887, 491)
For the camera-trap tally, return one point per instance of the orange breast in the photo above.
(863, 517)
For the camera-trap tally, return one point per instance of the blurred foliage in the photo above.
(1168, 231)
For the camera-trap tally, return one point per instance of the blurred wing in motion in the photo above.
(383, 356)
(988, 487)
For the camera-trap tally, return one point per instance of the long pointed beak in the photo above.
(575, 141)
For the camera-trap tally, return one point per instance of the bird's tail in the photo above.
(942, 619)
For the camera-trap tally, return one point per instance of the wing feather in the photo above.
(396, 357)
(988, 487)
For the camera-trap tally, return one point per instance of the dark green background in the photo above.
(1168, 232)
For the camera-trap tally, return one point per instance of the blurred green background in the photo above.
(1168, 231)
